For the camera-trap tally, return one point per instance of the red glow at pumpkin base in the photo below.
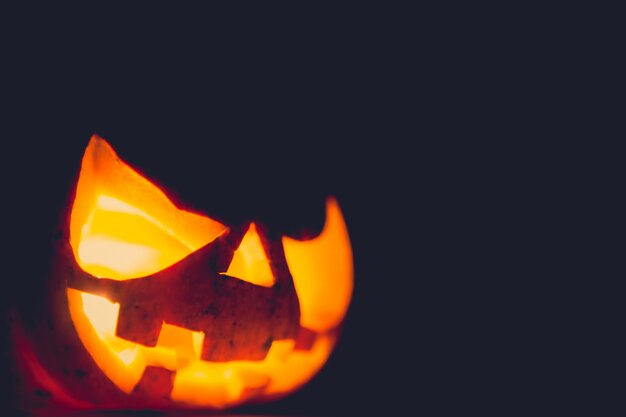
(152, 306)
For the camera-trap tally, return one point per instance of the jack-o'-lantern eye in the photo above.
(123, 226)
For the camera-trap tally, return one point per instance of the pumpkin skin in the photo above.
(236, 328)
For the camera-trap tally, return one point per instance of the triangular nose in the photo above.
(250, 262)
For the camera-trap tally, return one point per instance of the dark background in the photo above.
(442, 136)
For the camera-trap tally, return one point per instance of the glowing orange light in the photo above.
(322, 270)
(124, 227)
(250, 262)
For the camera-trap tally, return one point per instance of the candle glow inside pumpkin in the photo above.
(124, 227)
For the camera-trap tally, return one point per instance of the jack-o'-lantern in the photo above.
(159, 307)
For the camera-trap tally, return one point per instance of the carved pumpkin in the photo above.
(158, 307)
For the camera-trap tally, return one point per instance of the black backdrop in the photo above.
(430, 135)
